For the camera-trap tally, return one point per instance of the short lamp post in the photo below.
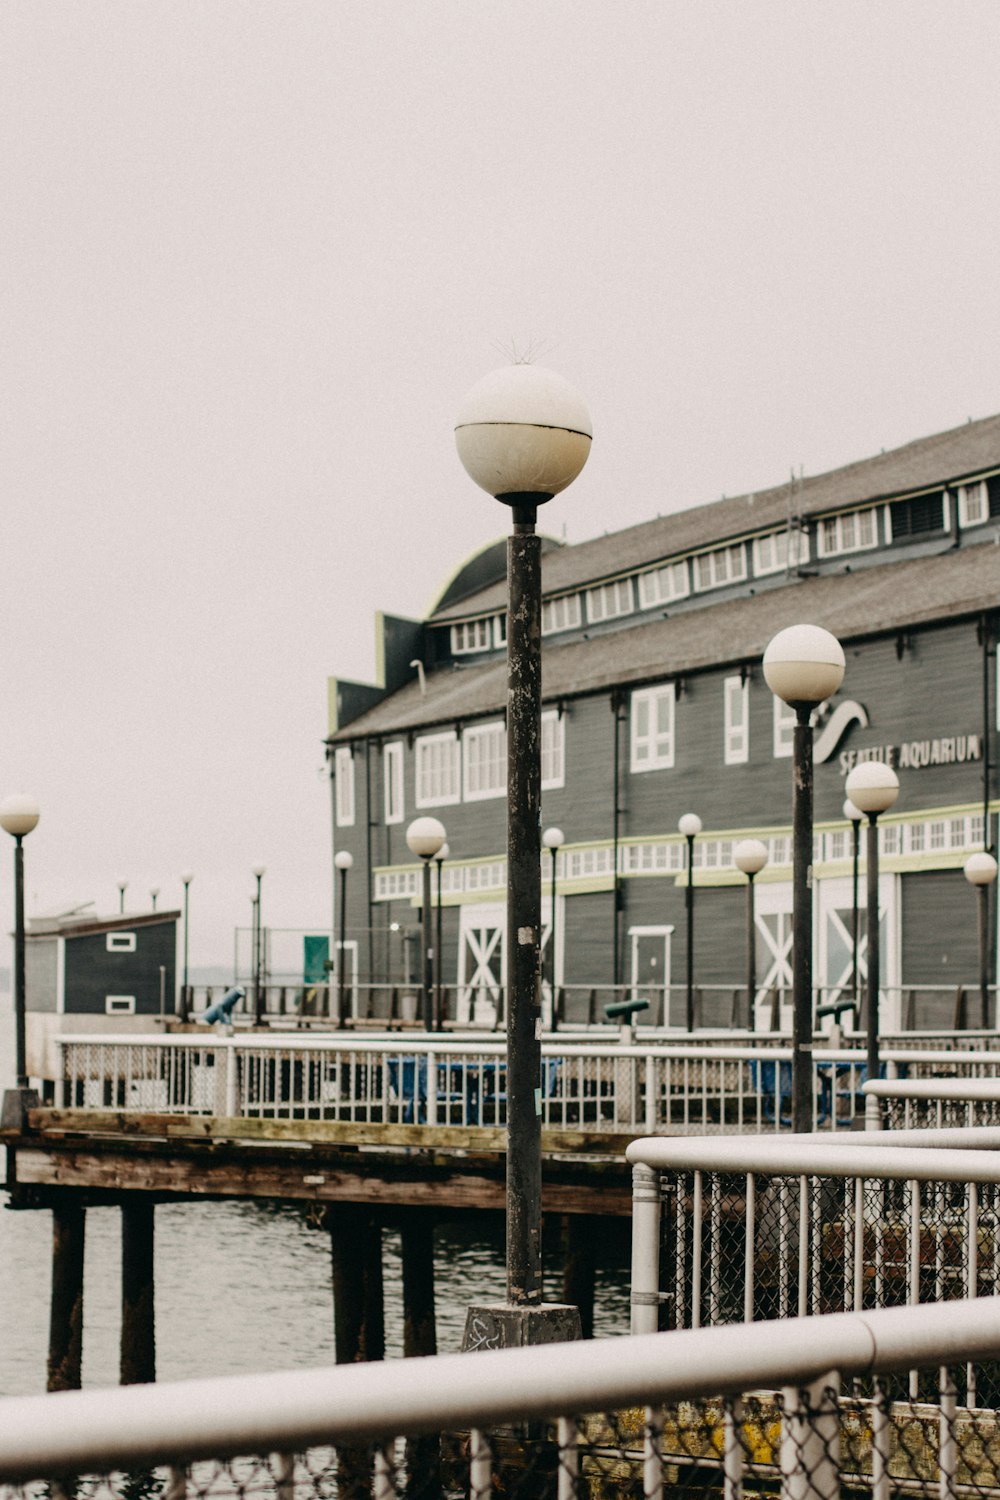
(424, 838)
(186, 879)
(981, 872)
(803, 665)
(153, 895)
(343, 860)
(523, 434)
(750, 856)
(122, 888)
(854, 817)
(690, 826)
(18, 816)
(873, 788)
(258, 951)
(443, 853)
(553, 839)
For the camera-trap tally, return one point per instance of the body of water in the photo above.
(243, 1287)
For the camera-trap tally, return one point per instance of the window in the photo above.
(784, 728)
(918, 515)
(609, 600)
(392, 782)
(343, 773)
(500, 630)
(119, 1005)
(851, 533)
(663, 585)
(120, 942)
(726, 565)
(437, 770)
(563, 613)
(973, 503)
(780, 550)
(484, 756)
(737, 731)
(553, 750)
(471, 635)
(652, 728)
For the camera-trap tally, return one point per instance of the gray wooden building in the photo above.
(655, 705)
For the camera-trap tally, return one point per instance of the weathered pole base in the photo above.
(507, 1325)
(66, 1309)
(138, 1331)
(14, 1112)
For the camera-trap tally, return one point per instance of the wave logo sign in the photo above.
(836, 726)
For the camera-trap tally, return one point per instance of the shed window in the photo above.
(119, 1005)
(120, 942)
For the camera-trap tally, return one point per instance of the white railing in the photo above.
(742, 1229)
(664, 1414)
(440, 1079)
(922, 1102)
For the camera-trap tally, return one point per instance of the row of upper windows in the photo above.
(450, 768)
(850, 531)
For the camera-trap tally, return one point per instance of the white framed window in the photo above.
(437, 775)
(120, 942)
(553, 750)
(663, 585)
(563, 613)
(484, 760)
(973, 503)
(784, 728)
(724, 565)
(500, 629)
(780, 550)
(392, 782)
(652, 728)
(471, 635)
(853, 532)
(609, 600)
(343, 776)
(119, 1005)
(736, 708)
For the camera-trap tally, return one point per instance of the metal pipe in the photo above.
(855, 860)
(342, 958)
(802, 840)
(874, 956)
(438, 1007)
(751, 949)
(689, 910)
(983, 908)
(428, 964)
(20, 993)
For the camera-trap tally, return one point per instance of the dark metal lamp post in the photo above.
(258, 951)
(18, 816)
(873, 788)
(443, 853)
(981, 872)
(553, 839)
(750, 856)
(803, 666)
(854, 817)
(690, 826)
(122, 888)
(424, 838)
(186, 879)
(153, 895)
(343, 860)
(523, 434)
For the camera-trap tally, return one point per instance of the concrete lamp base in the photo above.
(506, 1325)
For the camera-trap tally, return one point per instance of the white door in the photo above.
(773, 922)
(651, 972)
(481, 961)
(834, 958)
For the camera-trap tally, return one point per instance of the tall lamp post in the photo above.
(122, 888)
(853, 816)
(186, 879)
(690, 826)
(803, 665)
(523, 434)
(153, 895)
(981, 872)
(873, 788)
(750, 856)
(439, 859)
(18, 816)
(343, 860)
(424, 837)
(258, 872)
(553, 839)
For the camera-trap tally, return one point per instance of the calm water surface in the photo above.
(240, 1287)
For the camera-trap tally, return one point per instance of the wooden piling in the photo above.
(580, 1236)
(66, 1308)
(416, 1231)
(358, 1319)
(138, 1330)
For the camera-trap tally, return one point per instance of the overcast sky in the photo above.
(253, 255)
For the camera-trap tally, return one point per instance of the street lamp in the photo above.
(343, 860)
(122, 888)
(803, 665)
(186, 879)
(750, 856)
(18, 816)
(853, 816)
(258, 873)
(690, 826)
(523, 434)
(439, 859)
(981, 871)
(873, 788)
(553, 839)
(424, 837)
(153, 895)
